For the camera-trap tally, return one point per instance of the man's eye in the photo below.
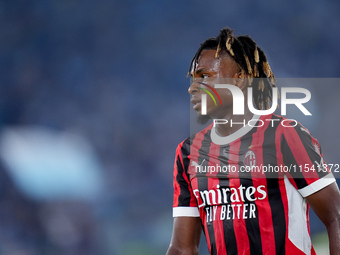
(204, 76)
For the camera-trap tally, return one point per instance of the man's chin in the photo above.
(203, 119)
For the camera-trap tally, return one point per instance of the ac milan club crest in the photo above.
(249, 159)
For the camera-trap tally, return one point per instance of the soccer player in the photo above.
(247, 212)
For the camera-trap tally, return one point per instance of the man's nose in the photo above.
(193, 88)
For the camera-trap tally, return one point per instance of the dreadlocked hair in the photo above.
(249, 57)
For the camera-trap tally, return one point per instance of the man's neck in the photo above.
(235, 122)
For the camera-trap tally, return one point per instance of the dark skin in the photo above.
(326, 204)
(186, 236)
(213, 70)
(187, 230)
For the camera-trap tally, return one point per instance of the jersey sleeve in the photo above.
(184, 203)
(302, 154)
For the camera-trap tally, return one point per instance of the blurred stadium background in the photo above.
(93, 102)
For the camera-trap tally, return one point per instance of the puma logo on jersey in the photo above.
(195, 164)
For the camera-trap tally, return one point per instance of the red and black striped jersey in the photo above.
(249, 188)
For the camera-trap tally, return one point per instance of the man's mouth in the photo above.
(196, 103)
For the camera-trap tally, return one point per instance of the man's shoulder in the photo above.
(188, 141)
(283, 123)
(291, 125)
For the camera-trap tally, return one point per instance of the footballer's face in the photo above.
(209, 71)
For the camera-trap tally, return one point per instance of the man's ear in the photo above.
(242, 80)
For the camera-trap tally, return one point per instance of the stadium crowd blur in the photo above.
(112, 73)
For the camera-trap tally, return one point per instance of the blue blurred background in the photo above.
(93, 102)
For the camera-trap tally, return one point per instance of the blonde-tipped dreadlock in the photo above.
(249, 57)
(256, 72)
(217, 51)
(261, 85)
(267, 69)
(256, 54)
(250, 70)
(230, 40)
